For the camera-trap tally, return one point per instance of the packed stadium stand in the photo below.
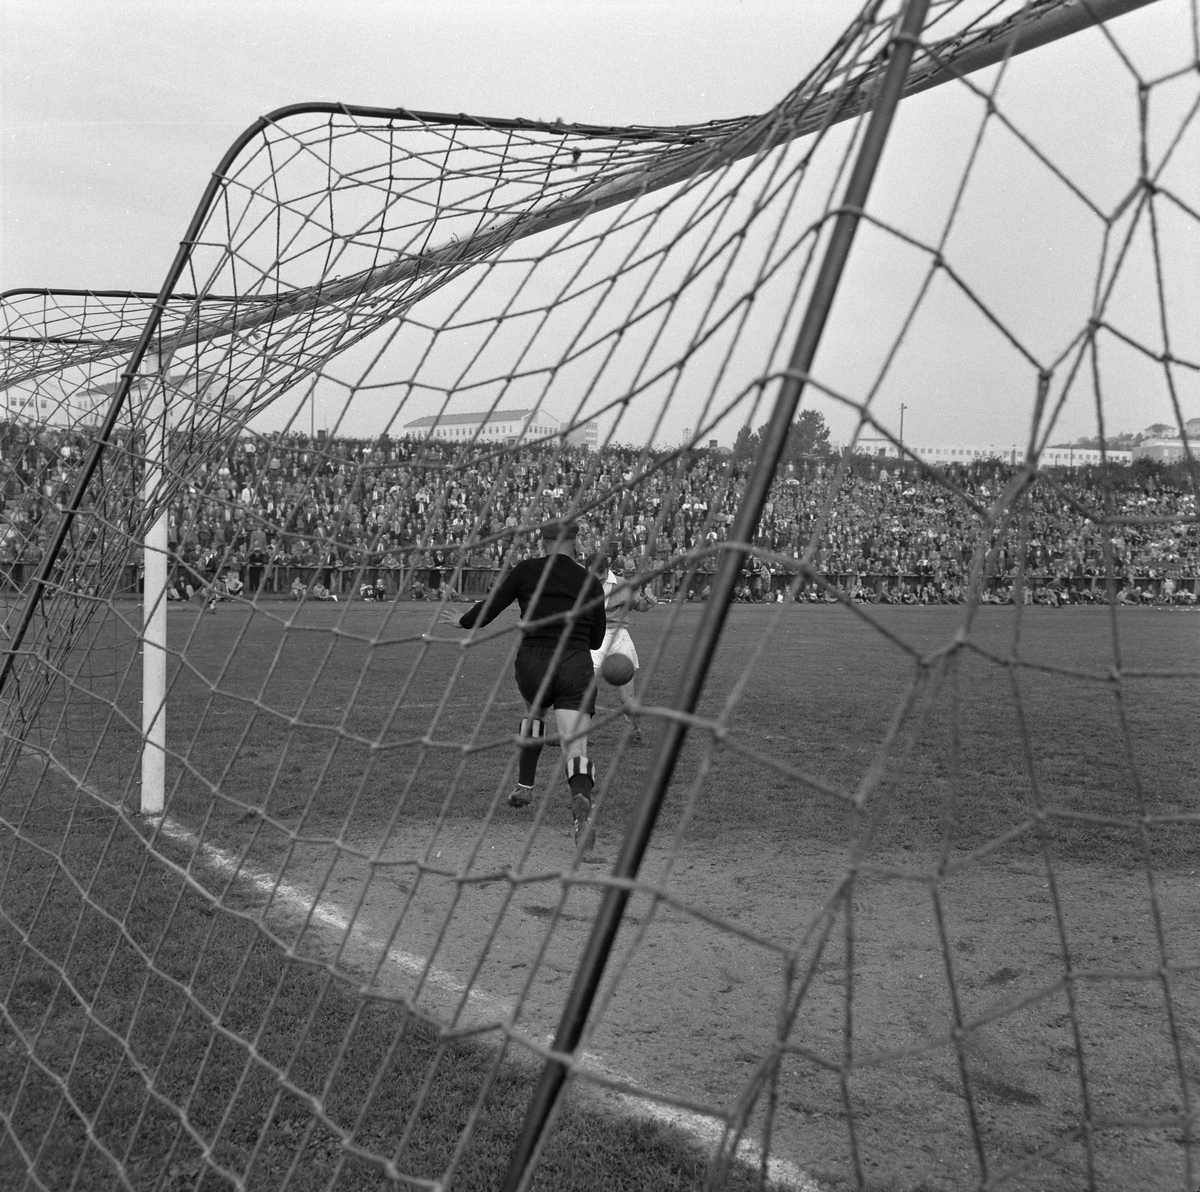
(389, 518)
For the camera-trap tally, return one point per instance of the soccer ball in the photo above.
(617, 669)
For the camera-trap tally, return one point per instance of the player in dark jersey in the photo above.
(548, 590)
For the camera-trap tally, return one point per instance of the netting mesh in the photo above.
(918, 911)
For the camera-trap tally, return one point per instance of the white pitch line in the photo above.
(303, 901)
(782, 1171)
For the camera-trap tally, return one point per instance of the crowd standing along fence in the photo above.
(474, 583)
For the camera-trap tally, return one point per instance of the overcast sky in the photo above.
(115, 111)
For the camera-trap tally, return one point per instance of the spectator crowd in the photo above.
(381, 518)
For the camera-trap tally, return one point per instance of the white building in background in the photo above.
(36, 406)
(1076, 457)
(1164, 450)
(50, 402)
(501, 426)
(1164, 443)
(85, 405)
(944, 453)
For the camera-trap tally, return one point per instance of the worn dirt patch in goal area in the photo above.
(483, 924)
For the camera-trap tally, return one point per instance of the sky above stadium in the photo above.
(114, 114)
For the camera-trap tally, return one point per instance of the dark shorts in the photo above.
(568, 687)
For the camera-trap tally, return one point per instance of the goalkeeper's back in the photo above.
(547, 603)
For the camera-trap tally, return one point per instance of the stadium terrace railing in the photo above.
(474, 582)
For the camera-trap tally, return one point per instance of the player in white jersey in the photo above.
(619, 601)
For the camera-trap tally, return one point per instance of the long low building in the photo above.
(83, 406)
(958, 453)
(501, 426)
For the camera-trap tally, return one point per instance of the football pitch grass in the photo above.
(303, 737)
(820, 700)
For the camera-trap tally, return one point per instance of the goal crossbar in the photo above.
(707, 146)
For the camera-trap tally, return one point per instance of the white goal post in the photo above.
(155, 569)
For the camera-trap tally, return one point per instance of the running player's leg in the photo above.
(530, 671)
(573, 728)
(581, 773)
(532, 738)
(574, 694)
(622, 643)
(625, 691)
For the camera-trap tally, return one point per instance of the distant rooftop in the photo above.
(462, 419)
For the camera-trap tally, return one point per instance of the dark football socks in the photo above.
(533, 731)
(581, 776)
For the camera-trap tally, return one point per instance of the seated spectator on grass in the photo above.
(646, 598)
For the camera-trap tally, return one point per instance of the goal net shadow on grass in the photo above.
(918, 905)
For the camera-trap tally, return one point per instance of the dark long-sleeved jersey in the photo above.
(559, 595)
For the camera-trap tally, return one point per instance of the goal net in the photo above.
(893, 892)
